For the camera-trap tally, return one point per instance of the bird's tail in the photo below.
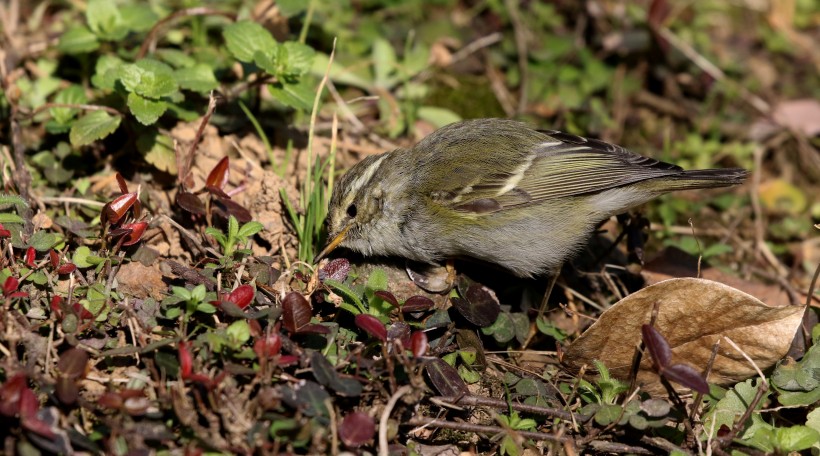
(705, 178)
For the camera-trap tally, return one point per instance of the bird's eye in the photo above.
(351, 211)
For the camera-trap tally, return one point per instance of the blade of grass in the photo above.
(259, 131)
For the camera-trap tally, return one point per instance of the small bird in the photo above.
(498, 191)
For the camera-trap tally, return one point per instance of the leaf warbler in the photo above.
(499, 191)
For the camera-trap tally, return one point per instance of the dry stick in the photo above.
(84, 107)
(760, 230)
(480, 429)
(712, 70)
(196, 11)
(21, 176)
(521, 49)
(383, 449)
(500, 404)
(195, 143)
(761, 389)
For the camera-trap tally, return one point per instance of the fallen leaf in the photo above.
(140, 281)
(693, 314)
(801, 115)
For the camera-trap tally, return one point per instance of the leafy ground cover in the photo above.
(166, 167)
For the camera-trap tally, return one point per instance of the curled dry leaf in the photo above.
(693, 314)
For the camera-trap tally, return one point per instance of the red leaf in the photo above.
(114, 211)
(10, 394)
(10, 285)
(135, 234)
(387, 297)
(218, 177)
(82, 312)
(56, 304)
(372, 326)
(190, 202)
(417, 304)
(67, 268)
(686, 376)
(656, 345)
(418, 343)
(268, 346)
(30, 257)
(110, 400)
(121, 182)
(356, 429)
(335, 269)
(186, 361)
(4, 233)
(241, 296)
(296, 312)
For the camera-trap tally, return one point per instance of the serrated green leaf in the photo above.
(199, 78)
(146, 111)
(43, 240)
(299, 57)
(182, 292)
(78, 40)
(233, 227)
(73, 94)
(297, 96)
(244, 38)
(8, 199)
(93, 126)
(149, 78)
(198, 293)
(105, 20)
(158, 150)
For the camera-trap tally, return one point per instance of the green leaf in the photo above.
(11, 218)
(795, 438)
(384, 63)
(298, 96)
(73, 94)
(43, 240)
(299, 57)
(107, 71)
(503, 330)
(244, 38)
(146, 111)
(437, 116)
(80, 257)
(105, 20)
(290, 8)
(158, 150)
(199, 78)
(239, 332)
(198, 293)
(182, 292)
(732, 405)
(138, 17)
(233, 227)
(7, 199)
(249, 229)
(149, 78)
(93, 126)
(78, 40)
(206, 308)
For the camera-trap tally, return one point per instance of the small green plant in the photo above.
(194, 299)
(236, 235)
(515, 423)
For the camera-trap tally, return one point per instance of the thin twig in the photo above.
(195, 11)
(383, 449)
(501, 404)
(84, 107)
(480, 429)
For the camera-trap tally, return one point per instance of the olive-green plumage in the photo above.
(498, 191)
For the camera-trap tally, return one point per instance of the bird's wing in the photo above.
(559, 166)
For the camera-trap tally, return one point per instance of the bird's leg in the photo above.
(541, 310)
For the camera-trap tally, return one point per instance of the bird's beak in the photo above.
(333, 244)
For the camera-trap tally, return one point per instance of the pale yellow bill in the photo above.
(333, 244)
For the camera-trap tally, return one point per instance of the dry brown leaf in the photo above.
(140, 281)
(693, 314)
